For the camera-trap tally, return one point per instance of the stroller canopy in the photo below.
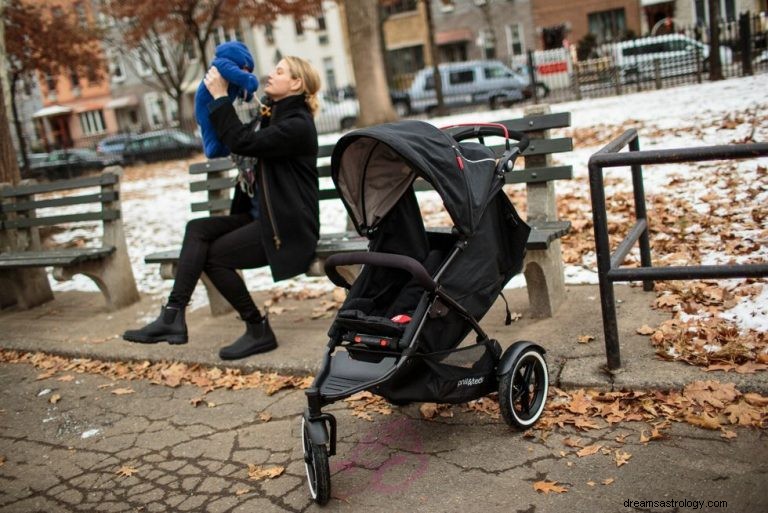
(373, 167)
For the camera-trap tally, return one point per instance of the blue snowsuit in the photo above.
(231, 57)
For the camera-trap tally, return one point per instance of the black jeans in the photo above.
(218, 246)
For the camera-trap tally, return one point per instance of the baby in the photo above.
(235, 63)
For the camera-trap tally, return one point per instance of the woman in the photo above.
(274, 218)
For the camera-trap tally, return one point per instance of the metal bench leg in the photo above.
(26, 288)
(545, 279)
(113, 276)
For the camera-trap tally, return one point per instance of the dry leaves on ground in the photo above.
(126, 471)
(257, 472)
(172, 374)
(548, 486)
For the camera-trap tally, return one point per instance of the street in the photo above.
(74, 441)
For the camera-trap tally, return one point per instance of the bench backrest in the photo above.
(25, 208)
(218, 174)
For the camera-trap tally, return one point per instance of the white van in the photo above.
(676, 54)
(467, 83)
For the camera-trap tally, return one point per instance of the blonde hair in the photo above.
(309, 76)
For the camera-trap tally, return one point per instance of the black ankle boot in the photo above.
(258, 338)
(170, 326)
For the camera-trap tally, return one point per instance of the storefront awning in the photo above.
(453, 36)
(122, 102)
(646, 3)
(52, 110)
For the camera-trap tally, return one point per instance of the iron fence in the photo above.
(609, 265)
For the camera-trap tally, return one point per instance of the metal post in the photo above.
(607, 300)
(641, 213)
(745, 42)
(657, 72)
(532, 77)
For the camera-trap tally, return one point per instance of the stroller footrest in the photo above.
(347, 372)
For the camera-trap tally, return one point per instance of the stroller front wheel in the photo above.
(317, 467)
(523, 390)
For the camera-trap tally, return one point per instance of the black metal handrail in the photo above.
(608, 266)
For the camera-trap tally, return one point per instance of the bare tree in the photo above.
(362, 21)
(9, 169)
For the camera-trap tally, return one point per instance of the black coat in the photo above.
(286, 145)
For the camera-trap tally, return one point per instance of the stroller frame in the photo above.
(520, 372)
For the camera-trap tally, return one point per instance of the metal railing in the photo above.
(608, 265)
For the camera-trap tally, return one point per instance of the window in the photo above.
(142, 61)
(92, 122)
(406, 60)
(515, 45)
(464, 76)
(269, 33)
(401, 6)
(607, 25)
(74, 78)
(116, 69)
(155, 109)
(488, 44)
(330, 73)
(298, 23)
(727, 11)
(50, 82)
(495, 72)
(321, 26)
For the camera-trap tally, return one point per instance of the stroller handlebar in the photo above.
(461, 132)
(403, 262)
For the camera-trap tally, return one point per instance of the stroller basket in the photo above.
(453, 376)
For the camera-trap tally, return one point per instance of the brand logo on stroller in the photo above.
(468, 382)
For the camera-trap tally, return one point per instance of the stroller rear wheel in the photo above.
(317, 467)
(523, 390)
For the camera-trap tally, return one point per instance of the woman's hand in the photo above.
(215, 83)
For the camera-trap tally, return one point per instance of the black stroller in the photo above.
(420, 293)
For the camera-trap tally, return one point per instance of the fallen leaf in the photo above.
(242, 491)
(742, 414)
(572, 442)
(122, 391)
(591, 483)
(585, 339)
(621, 457)
(588, 450)
(256, 472)
(756, 399)
(645, 330)
(265, 416)
(55, 398)
(66, 378)
(728, 434)
(106, 385)
(608, 481)
(2, 461)
(428, 410)
(45, 375)
(548, 486)
(704, 420)
(126, 471)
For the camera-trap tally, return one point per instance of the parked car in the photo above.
(336, 114)
(113, 144)
(160, 145)
(66, 163)
(467, 83)
(676, 55)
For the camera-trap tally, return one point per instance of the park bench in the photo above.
(543, 267)
(63, 205)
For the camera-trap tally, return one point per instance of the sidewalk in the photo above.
(77, 324)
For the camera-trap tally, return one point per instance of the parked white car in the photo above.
(675, 53)
(336, 114)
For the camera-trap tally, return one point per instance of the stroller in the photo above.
(421, 293)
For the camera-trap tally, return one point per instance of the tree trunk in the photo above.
(715, 66)
(17, 125)
(9, 168)
(362, 17)
(440, 110)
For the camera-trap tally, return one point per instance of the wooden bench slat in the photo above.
(220, 164)
(57, 257)
(161, 257)
(213, 205)
(212, 184)
(21, 206)
(541, 146)
(59, 185)
(536, 123)
(539, 174)
(103, 215)
(544, 232)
